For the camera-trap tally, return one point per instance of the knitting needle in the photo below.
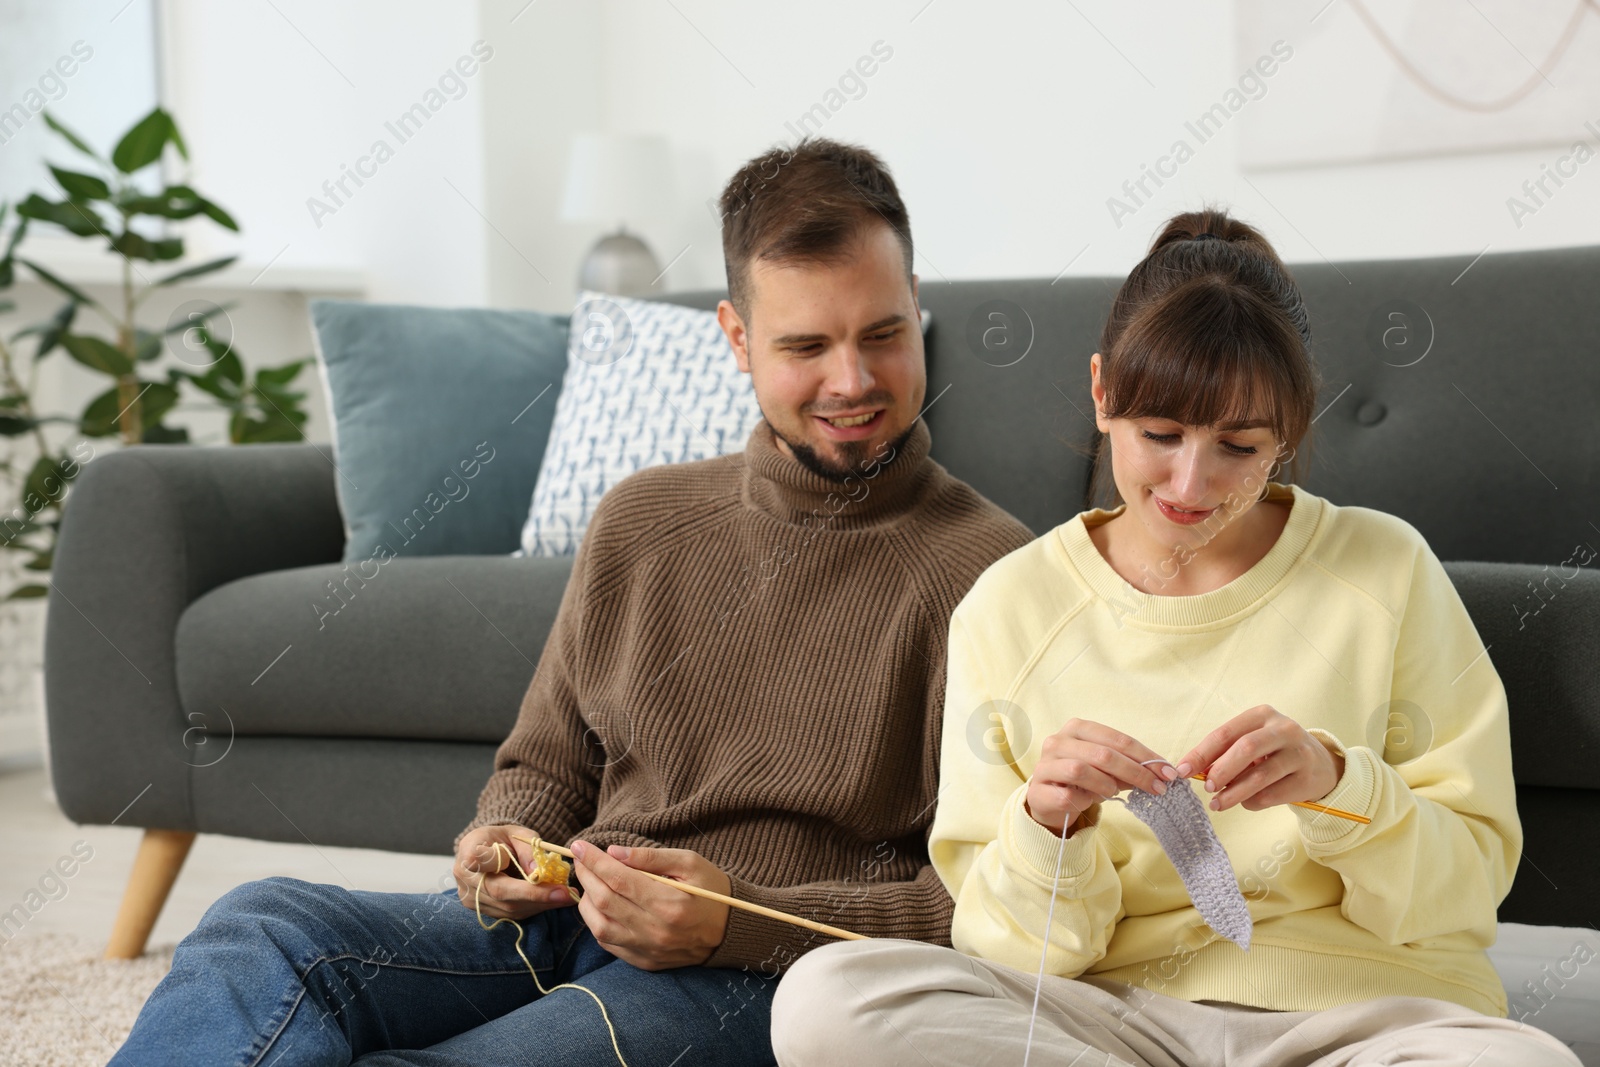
(1314, 806)
(745, 905)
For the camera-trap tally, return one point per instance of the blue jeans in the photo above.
(282, 972)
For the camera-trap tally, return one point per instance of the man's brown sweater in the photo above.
(749, 661)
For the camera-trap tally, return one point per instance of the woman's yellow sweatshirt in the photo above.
(1350, 626)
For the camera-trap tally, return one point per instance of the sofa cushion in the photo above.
(440, 418)
(434, 648)
(403, 796)
(646, 383)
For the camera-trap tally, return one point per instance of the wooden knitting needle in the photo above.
(744, 905)
(1352, 816)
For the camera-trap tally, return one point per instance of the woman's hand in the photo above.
(1082, 764)
(1261, 758)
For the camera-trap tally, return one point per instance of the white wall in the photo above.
(276, 99)
(1008, 125)
(545, 85)
(89, 63)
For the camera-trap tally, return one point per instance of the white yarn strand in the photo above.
(1049, 924)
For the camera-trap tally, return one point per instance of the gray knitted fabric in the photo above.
(1184, 829)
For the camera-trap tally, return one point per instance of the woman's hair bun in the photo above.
(1211, 224)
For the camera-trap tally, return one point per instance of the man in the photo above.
(742, 691)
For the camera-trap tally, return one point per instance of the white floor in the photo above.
(34, 835)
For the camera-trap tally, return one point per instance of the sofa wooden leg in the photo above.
(155, 868)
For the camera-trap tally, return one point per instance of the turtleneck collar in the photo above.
(781, 486)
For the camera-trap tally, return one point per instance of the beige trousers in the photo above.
(890, 1002)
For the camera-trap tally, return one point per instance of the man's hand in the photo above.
(505, 894)
(1261, 758)
(637, 919)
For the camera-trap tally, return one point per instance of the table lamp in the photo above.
(614, 178)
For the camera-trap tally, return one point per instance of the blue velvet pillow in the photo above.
(440, 418)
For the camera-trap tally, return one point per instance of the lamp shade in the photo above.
(613, 178)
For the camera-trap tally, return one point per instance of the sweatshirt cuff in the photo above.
(1029, 847)
(1354, 792)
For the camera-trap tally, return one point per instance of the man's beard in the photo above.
(855, 452)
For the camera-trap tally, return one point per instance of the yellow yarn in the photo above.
(545, 866)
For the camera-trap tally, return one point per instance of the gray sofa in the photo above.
(190, 687)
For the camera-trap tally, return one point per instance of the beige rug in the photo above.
(67, 1007)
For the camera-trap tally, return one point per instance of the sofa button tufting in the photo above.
(1371, 413)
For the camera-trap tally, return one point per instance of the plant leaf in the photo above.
(72, 138)
(225, 361)
(176, 138)
(15, 425)
(99, 419)
(142, 145)
(81, 186)
(228, 367)
(97, 354)
(279, 398)
(102, 417)
(219, 216)
(76, 218)
(50, 333)
(244, 430)
(16, 235)
(221, 388)
(147, 345)
(20, 529)
(137, 246)
(173, 202)
(195, 318)
(66, 287)
(41, 562)
(280, 375)
(165, 435)
(196, 271)
(27, 592)
(37, 485)
(158, 399)
(176, 202)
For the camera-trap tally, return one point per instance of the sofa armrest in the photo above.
(146, 531)
(1541, 625)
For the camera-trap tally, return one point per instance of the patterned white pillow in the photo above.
(646, 383)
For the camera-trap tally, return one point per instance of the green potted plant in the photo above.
(112, 205)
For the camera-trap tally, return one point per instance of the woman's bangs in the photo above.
(1201, 361)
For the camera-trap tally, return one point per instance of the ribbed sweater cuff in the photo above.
(751, 940)
(1026, 846)
(1354, 792)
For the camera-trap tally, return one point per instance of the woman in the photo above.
(1288, 649)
